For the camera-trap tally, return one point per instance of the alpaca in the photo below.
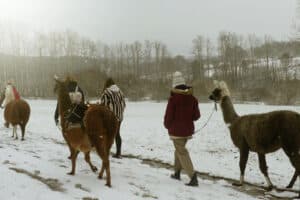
(101, 125)
(260, 133)
(17, 112)
(75, 136)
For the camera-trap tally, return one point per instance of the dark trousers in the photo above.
(118, 140)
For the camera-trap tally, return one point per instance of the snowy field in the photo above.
(37, 167)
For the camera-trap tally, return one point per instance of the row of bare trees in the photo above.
(252, 65)
(143, 68)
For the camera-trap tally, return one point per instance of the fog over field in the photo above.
(173, 21)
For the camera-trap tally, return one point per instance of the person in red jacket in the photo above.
(182, 110)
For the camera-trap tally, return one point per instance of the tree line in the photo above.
(256, 68)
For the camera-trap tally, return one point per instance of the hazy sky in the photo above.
(174, 22)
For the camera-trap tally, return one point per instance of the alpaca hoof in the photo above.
(94, 169)
(289, 186)
(100, 177)
(237, 184)
(22, 139)
(108, 185)
(269, 188)
(71, 173)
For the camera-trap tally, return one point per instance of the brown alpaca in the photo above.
(17, 112)
(75, 136)
(101, 125)
(260, 133)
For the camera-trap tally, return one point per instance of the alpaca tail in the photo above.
(100, 122)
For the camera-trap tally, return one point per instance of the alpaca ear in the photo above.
(224, 88)
(55, 77)
(216, 83)
(223, 85)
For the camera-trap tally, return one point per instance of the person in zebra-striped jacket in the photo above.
(113, 98)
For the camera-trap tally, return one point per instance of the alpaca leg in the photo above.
(15, 132)
(107, 169)
(69, 145)
(100, 151)
(244, 153)
(6, 124)
(295, 159)
(73, 158)
(23, 131)
(293, 180)
(88, 160)
(105, 159)
(100, 176)
(264, 169)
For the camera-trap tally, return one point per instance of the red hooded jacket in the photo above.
(182, 110)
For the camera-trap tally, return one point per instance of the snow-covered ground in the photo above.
(36, 168)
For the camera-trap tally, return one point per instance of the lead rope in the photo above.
(215, 108)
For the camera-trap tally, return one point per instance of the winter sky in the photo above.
(174, 22)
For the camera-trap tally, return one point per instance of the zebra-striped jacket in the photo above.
(115, 100)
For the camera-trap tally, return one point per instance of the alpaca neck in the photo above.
(64, 100)
(229, 113)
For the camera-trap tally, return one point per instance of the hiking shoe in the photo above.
(194, 181)
(117, 156)
(176, 175)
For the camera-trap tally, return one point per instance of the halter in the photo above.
(72, 112)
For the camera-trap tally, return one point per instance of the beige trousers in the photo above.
(182, 157)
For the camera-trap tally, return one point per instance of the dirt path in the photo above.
(254, 190)
(53, 184)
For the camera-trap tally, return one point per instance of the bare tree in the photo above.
(198, 47)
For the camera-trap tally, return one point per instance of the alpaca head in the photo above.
(220, 91)
(58, 83)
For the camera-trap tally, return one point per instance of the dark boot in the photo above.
(176, 175)
(117, 156)
(194, 181)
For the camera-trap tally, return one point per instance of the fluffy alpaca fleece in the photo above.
(9, 95)
(223, 87)
(17, 113)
